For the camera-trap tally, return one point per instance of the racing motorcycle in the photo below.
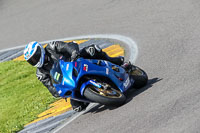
(92, 80)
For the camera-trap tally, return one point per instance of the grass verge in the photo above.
(22, 96)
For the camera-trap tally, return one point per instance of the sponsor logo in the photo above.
(127, 82)
(56, 76)
(52, 44)
(107, 71)
(85, 67)
(91, 51)
(67, 67)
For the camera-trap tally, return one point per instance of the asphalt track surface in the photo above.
(167, 35)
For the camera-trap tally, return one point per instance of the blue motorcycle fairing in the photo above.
(105, 70)
(73, 71)
(68, 83)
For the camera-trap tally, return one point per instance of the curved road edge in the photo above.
(129, 45)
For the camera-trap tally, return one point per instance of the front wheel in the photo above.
(106, 95)
(139, 76)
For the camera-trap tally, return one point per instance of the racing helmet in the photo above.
(34, 54)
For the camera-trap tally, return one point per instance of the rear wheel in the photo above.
(107, 94)
(139, 76)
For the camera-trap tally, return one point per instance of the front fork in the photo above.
(90, 82)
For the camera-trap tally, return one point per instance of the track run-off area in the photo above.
(167, 37)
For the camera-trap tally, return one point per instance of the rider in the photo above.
(43, 59)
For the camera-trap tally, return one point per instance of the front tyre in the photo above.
(107, 95)
(139, 76)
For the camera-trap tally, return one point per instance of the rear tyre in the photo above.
(106, 96)
(139, 76)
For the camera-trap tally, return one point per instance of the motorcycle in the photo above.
(92, 80)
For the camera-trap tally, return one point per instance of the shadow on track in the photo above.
(130, 94)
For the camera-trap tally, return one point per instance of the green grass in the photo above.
(22, 95)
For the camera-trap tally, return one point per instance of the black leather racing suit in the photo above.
(56, 49)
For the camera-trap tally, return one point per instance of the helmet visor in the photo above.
(35, 58)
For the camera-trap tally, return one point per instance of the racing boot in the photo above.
(116, 60)
(95, 52)
(78, 106)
